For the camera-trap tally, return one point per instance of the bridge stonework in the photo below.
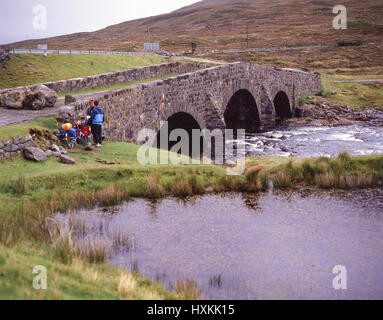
(203, 94)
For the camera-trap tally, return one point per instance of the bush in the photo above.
(304, 99)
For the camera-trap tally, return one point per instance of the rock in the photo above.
(317, 123)
(334, 93)
(69, 99)
(41, 97)
(89, 148)
(209, 190)
(284, 149)
(67, 159)
(4, 55)
(35, 154)
(2, 100)
(55, 148)
(62, 150)
(67, 112)
(14, 99)
(56, 154)
(48, 153)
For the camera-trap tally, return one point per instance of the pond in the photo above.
(276, 245)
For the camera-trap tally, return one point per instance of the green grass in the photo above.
(77, 280)
(343, 172)
(116, 86)
(26, 69)
(354, 94)
(22, 129)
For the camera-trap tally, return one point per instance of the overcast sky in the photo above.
(18, 21)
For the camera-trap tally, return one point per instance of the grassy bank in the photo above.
(75, 280)
(354, 94)
(22, 129)
(343, 172)
(26, 69)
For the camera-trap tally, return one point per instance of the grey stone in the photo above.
(67, 112)
(66, 159)
(4, 55)
(55, 148)
(69, 99)
(209, 190)
(41, 97)
(14, 99)
(35, 154)
(62, 150)
(2, 100)
(48, 153)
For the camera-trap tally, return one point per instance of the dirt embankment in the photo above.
(322, 114)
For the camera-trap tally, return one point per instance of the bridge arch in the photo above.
(242, 112)
(178, 120)
(282, 107)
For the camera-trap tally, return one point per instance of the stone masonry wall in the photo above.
(204, 94)
(4, 55)
(11, 148)
(122, 76)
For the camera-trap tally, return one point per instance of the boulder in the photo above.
(67, 159)
(49, 153)
(209, 190)
(2, 100)
(69, 99)
(67, 112)
(14, 99)
(4, 55)
(55, 148)
(41, 97)
(35, 154)
(62, 150)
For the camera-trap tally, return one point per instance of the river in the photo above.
(308, 141)
(275, 245)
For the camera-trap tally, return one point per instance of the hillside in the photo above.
(24, 69)
(218, 24)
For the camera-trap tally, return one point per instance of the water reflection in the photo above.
(277, 245)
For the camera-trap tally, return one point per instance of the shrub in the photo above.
(304, 99)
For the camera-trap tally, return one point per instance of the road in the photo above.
(359, 80)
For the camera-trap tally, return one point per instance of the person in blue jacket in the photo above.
(98, 118)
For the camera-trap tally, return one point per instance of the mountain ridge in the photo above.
(220, 24)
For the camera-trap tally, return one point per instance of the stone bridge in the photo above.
(234, 96)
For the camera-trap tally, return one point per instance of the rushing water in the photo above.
(317, 141)
(250, 246)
